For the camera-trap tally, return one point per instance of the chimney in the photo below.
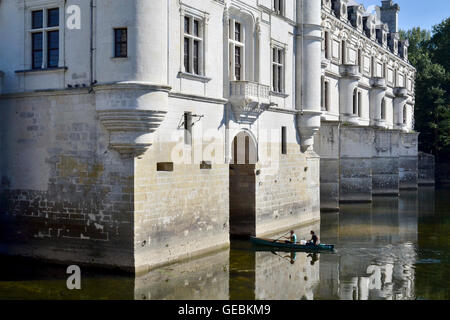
(389, 14)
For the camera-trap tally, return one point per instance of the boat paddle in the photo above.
(281, 236)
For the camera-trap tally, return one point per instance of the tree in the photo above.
(430, 54)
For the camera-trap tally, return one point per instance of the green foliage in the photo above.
(430, 54)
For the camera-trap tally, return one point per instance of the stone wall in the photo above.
(64, 195)
(360, 162)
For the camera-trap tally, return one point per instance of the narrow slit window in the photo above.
(121, 43)
(283, 140)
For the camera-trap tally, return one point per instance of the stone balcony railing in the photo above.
(248, 98)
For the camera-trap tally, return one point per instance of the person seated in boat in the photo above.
(292, 238)
(314, 240)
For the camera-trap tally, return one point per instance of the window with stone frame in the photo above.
(120, 43)
(383, 109)
(279, 6)
(325, 96)
(193, 45)
(45, 42)
(278, 67)
(236, 43)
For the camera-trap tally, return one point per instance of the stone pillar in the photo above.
(308, 70)
(408, 161)
(355, 166)
(385, 174)
(377, 94)
(347, 84)
(327, 145)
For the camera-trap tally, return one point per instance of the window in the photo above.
(45, 38)
(405, 115)
(283, 140)
(383, 109)
(278, 70)
(360, 104)
(343, 53)
(355, 102)
(360, 61)
(120, 43)
(327, 45)
(278, 6)
(237, 50)
(325, 95)
(188, 128)
(193, 40)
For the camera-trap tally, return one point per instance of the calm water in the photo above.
(395, 248)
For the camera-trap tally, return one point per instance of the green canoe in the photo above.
(286, 246)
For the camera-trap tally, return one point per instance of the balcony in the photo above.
(378, 83)
(350, 71)
(401, 92)
(248, 100)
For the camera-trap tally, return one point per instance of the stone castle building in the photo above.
(137, 133)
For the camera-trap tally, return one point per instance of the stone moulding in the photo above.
(350, 71)
(131, 112)
(401, 92)
(378, 83)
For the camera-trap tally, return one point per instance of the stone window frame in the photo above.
(116, 43)
(279, 7)
(232, 45)
(44, 6)
(203, 21)
(325, 94)
(357, 102)
(276, 75)
(383, 109)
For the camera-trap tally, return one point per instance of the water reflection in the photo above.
(394, 248)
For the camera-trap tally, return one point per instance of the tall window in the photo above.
(359, 104)
(278, 70)
(360, 61)
(188, 128)
(237, 50)
(344, 52)
(355, 102)
(278, 6)
(325, 95)
(283, 140)
(45, 38)
(405, 115)
(193, 40)
(383, 109)
(120, 43)
(327, 45)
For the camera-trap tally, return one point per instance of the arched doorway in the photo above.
(243, 186)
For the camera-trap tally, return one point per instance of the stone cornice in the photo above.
(363, 37)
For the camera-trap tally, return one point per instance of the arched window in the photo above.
(383, 109)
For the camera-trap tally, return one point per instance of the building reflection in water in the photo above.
(376, 250)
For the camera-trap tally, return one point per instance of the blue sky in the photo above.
(418, 13)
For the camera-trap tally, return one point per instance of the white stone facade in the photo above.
(121, 152)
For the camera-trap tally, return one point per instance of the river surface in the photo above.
(394, 248)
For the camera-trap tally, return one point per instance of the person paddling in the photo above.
(314, 239)
(292, 238)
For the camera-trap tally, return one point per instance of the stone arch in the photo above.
(242, 187)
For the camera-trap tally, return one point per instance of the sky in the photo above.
(418, 13)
